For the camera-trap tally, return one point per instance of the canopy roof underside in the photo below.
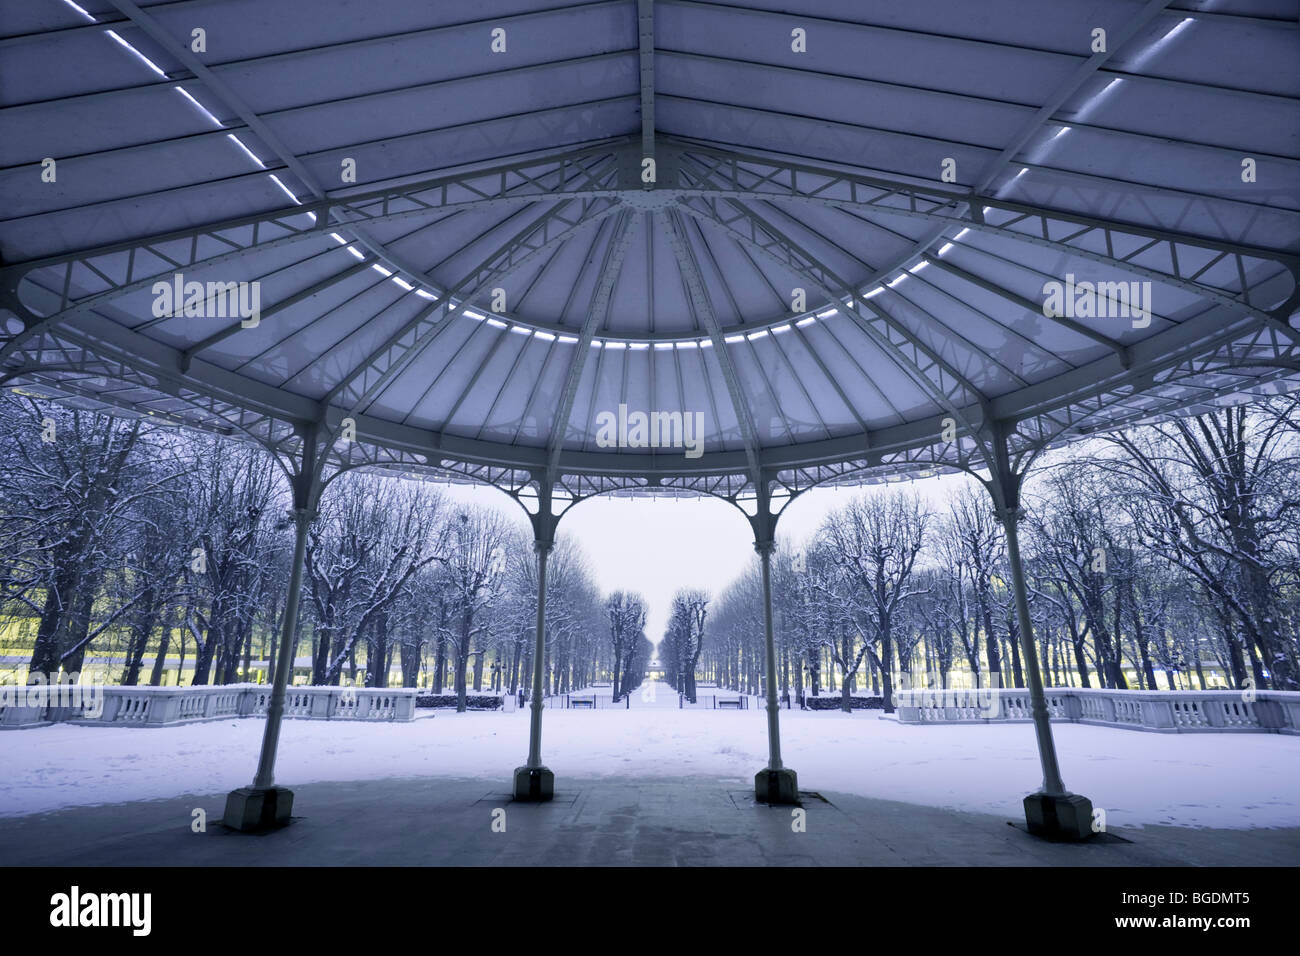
(839, 249)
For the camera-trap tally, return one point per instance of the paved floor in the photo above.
(691, 821)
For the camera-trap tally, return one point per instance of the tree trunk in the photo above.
(79, 625)
(58, 597)
(846, 652)
(886, 669)
(440, 664)
(160, 660)
(514, 666)
(142, 630)
(1013, 638)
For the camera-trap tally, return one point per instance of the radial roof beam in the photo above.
(585, 173)
(793, 256)
(1114, 43)
(645, 29)
(699, 296)
(764, 177)
(610, 267)
(400, 348)
(725, 172)
(183, 55)
(302, 295)
(1078, 328)
(223, 91)
(826, 282)
(720, 173)
(1192, 348)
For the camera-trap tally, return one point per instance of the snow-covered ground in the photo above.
(1221, 780)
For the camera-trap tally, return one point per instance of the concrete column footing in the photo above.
(257, 809)
(1059, 816)
(776, 786)
(534, 784)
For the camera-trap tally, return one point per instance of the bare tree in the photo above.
(72, 484)
(876, 540)
(1226, 483)
(372, 537)
(626, 613)
(473, 577)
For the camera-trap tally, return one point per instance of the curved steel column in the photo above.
(265, 777)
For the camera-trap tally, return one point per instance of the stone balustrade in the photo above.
(1162, 711)
(165, 706)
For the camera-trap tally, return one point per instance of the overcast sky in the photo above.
(656, 546)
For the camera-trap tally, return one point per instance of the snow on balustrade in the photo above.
(1162, 711)
(1188, 713)
(162, 706)
(1237, 713)
(1128, 711)
(1015, 706)
(1096, 709)
(132, 708)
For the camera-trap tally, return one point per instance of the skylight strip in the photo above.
(247, 152)
(285, 189)
(143, 59)
(80, 10)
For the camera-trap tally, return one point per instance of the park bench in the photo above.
(723, 703)
(588, 703)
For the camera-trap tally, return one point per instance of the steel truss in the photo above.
(688, 172)
(1198, 359)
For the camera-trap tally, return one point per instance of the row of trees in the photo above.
(683, 640)
(631, 648)
(1152, 556)
(129, 541)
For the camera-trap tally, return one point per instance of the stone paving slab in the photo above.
(613, 822)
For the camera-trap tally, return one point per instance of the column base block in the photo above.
(534, 784)
(256, 809)
(1059, 816)
(776, 786)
